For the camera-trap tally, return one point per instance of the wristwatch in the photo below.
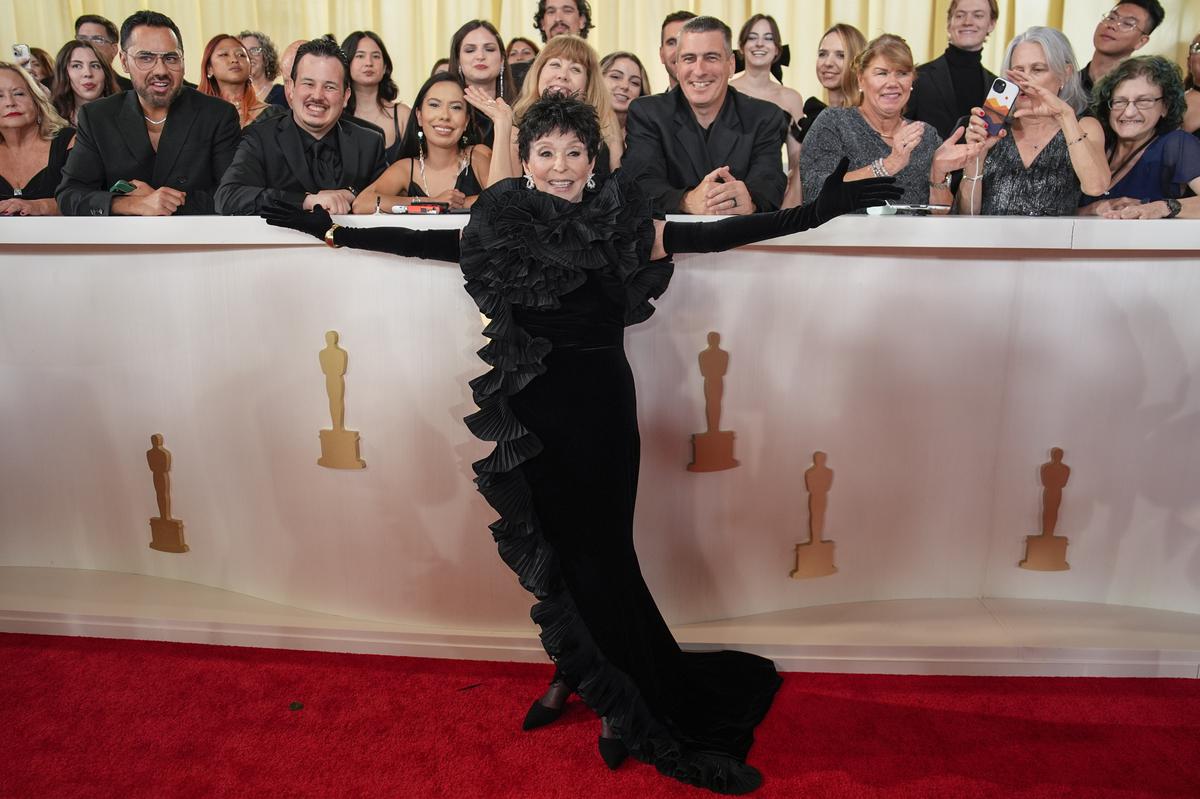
(1173, 207)
(329, 236)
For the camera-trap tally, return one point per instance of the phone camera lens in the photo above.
(999, 85)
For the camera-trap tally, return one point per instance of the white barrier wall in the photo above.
(935, 361)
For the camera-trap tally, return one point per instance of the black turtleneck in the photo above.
(966, 73)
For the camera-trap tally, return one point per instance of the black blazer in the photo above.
(270, 165)
(933, 99)
(198, 141)
(666, 148)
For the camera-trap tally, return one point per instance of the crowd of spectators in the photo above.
(322, 123)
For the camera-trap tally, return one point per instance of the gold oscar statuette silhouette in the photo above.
(1048, 552)
(166, 534)
(814, 558)
(712, 450)
(339, 446)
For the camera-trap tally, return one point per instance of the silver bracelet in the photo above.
(879, 170)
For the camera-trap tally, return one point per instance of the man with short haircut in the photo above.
(99, 32)
(668, 43)
(703, 147)
(157, 150)
(1121, 31)
(949, 86)
(556, 17)
(311, 156)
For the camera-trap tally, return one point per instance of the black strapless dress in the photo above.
(559, 282)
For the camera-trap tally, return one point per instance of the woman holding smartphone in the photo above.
(1046, 156)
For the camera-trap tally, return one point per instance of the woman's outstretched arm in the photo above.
(837, 197)
(435, 245)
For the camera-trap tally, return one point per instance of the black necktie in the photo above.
(326, 165)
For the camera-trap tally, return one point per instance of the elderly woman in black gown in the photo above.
(560, 268)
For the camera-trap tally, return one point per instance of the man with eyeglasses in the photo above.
(158, 150)
(101, 33)
(1124, 29)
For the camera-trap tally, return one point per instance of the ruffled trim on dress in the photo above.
(526, 248)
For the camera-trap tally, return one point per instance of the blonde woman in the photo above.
(33, 145)
(566, 65)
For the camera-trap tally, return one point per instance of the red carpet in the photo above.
(83, 717)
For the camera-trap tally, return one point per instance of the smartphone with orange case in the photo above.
(999, 103)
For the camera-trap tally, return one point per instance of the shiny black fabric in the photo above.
(559, 282)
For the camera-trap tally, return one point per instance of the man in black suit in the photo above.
(704, 148)
(311, 156)
(171, 143)
(100, 33)
(949, 86)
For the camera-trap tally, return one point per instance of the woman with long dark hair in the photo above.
(479, 60)
(438, 158)
(559, 269)
(80, 75)
(374, 93)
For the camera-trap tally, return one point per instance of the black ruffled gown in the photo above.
(559, 282)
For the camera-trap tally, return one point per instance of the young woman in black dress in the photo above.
(560, 267)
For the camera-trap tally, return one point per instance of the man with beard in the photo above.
(556, 17)
(309, 157)
(949, 86)
(170, 143)
(703, 147)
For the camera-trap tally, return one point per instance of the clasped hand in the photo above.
(719, 193)
(145, 200)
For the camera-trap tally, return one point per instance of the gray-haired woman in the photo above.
(1046, 156)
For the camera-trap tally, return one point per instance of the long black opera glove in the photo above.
(837, 197)
(435, 245)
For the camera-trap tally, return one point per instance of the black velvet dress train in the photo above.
(559, 282)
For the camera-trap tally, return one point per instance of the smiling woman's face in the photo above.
(624, 80)
(559, 165)
(886, 87)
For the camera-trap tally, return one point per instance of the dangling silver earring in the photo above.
(528, 181)
(501, 93)
(591, 181)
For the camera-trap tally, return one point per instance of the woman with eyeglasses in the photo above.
(264, 67)
(80, 75)
(225, 73)
(34, 141)
(1155, 166)
(374, 93)
(1046, 156)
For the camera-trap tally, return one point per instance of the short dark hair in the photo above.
(96, 19)
(151, 19)
(585, 11)
(387, 87)
(323, 48)
(559, 113)
(1164, 74)
(270, 56)
(708, 25)
(1151, 7)
(674, 16)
